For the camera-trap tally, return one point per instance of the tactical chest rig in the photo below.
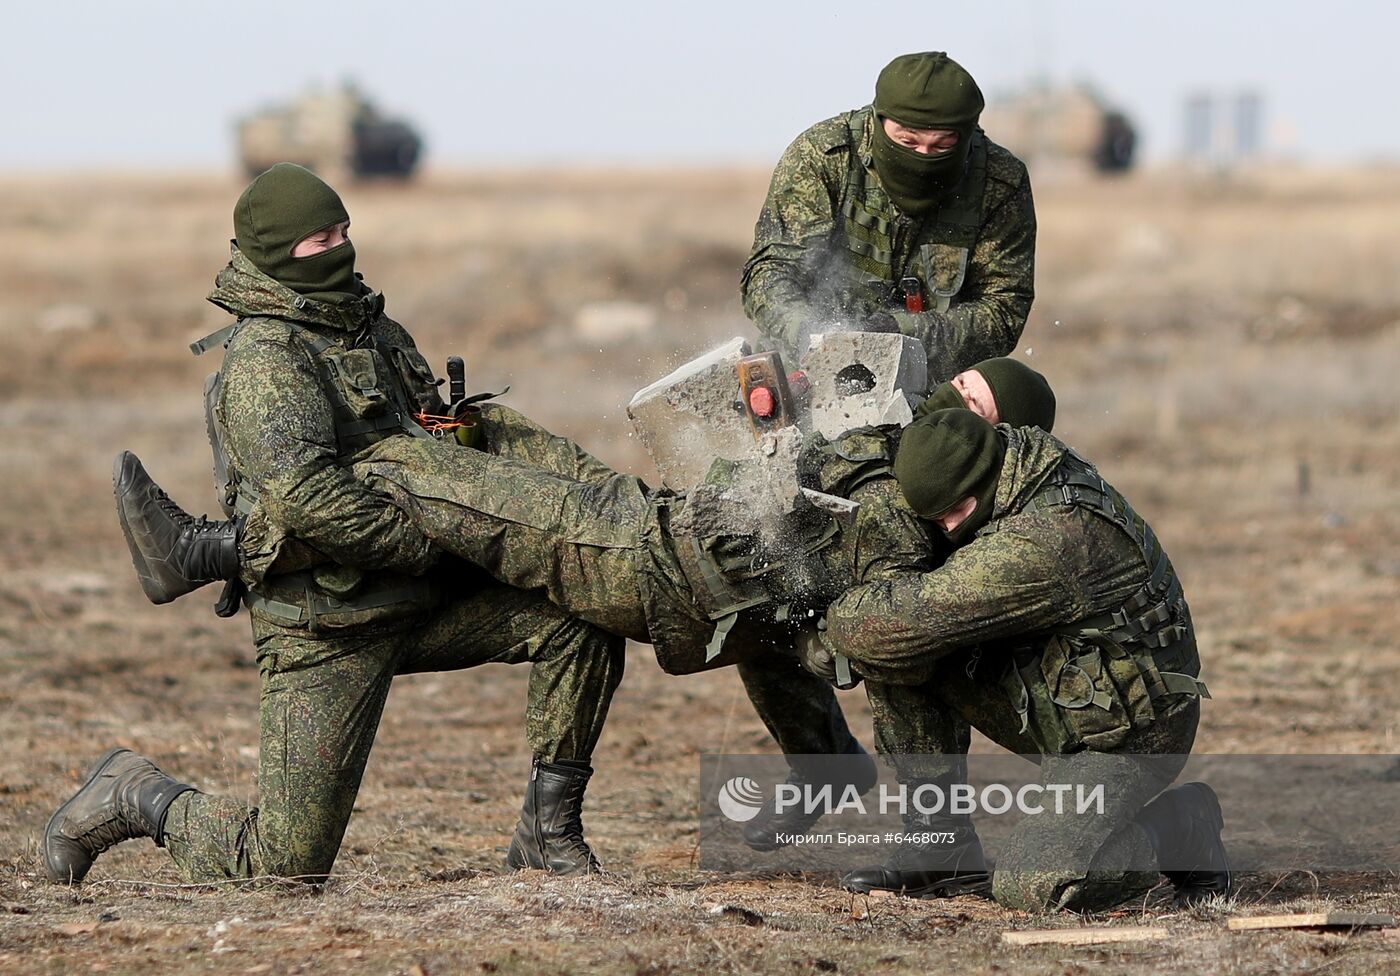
(368, 406)
(1121, 659)
(877, 236)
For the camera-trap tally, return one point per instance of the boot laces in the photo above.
(167, 505)
(203, 525)
(110, 833)
(572, 823)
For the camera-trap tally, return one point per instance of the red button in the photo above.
(761, 402)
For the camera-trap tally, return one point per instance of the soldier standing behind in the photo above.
(901, 216)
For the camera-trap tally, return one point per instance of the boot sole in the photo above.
(972, 884)
(67, 877)
(150, 586)
(137, 559)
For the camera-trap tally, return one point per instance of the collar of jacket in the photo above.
(243, 290)
(1031, 455)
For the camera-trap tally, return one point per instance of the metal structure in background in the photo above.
(1070, 126)
(338, 133)
(1222, 130)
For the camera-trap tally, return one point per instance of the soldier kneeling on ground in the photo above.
(1058, 628)
(314, 372)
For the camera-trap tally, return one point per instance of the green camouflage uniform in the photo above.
(605, 550)
(1012, 635)
(828, 248)
(359, 594)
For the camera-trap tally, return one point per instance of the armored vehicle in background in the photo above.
(338, 133)
(1062, 127)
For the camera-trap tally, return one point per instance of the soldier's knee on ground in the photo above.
(311, 869)
(1050, 891)
(1034, 874)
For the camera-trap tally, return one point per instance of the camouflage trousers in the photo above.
(799, 709)
(321, 701)
(587, 566)
(1076, 863)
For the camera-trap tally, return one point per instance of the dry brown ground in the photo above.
(1226, 351)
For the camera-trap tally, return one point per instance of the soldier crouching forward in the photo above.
(1059, 629)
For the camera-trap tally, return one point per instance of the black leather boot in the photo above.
(762, 832)
(550, 833)
(125, 796)
(174, 552)
(925, 864)
(1184, 825)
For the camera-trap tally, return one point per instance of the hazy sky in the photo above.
(161, 82)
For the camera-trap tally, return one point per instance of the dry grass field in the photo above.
(1227, 350)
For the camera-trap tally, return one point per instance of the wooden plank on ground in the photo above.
(1314, 920)
(1085, 936)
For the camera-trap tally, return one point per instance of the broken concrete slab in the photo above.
(748, 496)
(863, 379)
(692, 416)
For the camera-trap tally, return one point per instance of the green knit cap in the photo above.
(277, 210)
(928, 91)
(943, 458)
(1024, 398)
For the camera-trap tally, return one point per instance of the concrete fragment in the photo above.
(690, 417)
(842, 508)
(863, 379)
(746, 497)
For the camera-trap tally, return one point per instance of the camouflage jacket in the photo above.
(284, 438)
(1034, 571)
(802, 275)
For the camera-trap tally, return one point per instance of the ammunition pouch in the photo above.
(302, 602)
(1107, 674)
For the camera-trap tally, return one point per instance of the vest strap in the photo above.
(218, 338)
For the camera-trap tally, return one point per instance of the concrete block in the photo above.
(863, 379)
(689, 418)
(747, 497)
